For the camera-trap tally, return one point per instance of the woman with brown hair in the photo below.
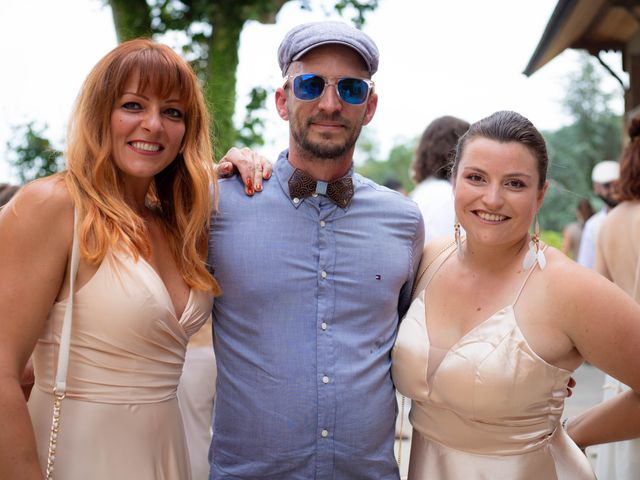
(618, 259)
(500, 322)
(134, 204)
(431, 172)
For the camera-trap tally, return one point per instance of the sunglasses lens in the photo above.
(353, 90)
(308, 86)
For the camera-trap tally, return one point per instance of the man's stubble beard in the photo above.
(320, 152)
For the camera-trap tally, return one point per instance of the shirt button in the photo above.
(322, 223)
(324, 433)
(323, 325)
(323, 274)
(325, 379)
(314, 195)
(296, 200)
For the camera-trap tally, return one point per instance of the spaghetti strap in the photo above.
(431, 269)
(525, 280)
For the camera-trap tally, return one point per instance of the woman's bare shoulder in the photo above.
(40, 207)
(43, 197)
(572, 287)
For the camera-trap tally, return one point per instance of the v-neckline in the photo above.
(166, 291)
(464, 335)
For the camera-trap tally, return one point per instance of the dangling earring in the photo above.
(535, 253)
(456, 236)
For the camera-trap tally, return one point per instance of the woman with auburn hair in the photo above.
(618, 259)
(499, 323)
(121, 239)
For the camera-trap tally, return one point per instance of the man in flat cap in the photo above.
(316, 272)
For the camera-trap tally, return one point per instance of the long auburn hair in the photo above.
(628, 185)
(181, 194)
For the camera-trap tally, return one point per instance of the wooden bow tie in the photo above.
(339, 191)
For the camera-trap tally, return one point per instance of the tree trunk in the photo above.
(132, 19)
(220, 84)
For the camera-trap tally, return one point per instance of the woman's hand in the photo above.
(251, 166)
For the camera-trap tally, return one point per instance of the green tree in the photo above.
(31, 153)
(396, 166)
(594, 135)
(212, 30)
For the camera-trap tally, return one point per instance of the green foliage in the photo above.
(31, 154)
(594, 135)
(396, 166)
(251, 132)
(552, 238)
(361, 9)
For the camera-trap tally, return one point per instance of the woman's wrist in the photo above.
(567, 424)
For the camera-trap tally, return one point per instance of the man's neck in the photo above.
(325, 170)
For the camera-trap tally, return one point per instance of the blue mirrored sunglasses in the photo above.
(309, 86)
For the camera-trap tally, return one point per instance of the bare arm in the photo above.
(35, 237)
(603, 322)
(614, 420)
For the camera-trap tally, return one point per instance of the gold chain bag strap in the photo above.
(418, 285)
(60, 385)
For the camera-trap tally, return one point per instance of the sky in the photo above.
(459, 57)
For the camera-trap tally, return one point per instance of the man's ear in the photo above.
(281, 103)
(372, 105)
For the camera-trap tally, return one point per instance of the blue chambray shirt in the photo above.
(311, 299)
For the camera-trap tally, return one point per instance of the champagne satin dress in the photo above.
(488, 407)
(120, 417)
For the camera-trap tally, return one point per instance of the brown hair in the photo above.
(584, 209)
(504, 127)
(628, 185)
(436, 148)
(7, 191)
(180, 193)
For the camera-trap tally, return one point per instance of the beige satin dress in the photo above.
(120, 418)
(488, 407)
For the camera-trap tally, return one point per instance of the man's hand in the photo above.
(251, 166)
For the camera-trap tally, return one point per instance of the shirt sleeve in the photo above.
(417, 246)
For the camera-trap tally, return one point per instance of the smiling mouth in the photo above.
(147, 147)
(490, 217)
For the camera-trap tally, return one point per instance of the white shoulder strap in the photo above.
(65, 336)
(426, 272)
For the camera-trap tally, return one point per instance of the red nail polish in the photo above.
(258, 187)
(249, 191)
(267, 175)
(249, 183)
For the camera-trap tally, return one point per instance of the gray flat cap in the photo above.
(302, 38)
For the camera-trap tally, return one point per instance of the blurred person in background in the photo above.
(572, 232)
(603, 175)
(196, 395)
(395, 184)
(430, 171)
(618, 259)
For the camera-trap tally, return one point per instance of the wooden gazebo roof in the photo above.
(593, 25)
